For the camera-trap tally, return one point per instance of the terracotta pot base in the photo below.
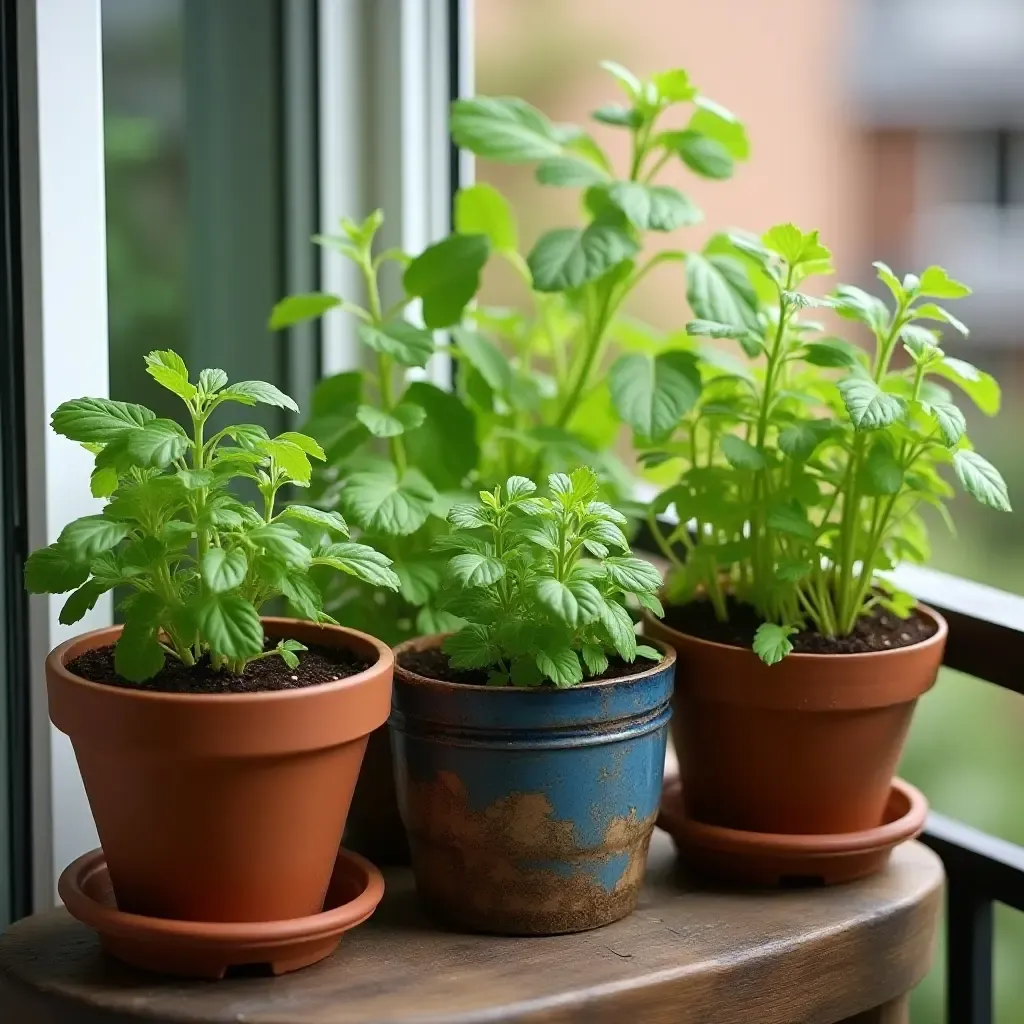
(763, 859)
(209, 950)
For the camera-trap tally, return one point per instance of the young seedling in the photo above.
(541, 583)
(805, 478)
(198, 562)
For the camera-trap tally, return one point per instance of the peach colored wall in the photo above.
(778, 65)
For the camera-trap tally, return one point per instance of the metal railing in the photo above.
(986, 640)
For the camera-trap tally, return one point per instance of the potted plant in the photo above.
(529, 746)
(801, 485)
(219, 750)
(531, 394)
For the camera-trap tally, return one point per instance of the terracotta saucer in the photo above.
(764, 859)
(199, 949)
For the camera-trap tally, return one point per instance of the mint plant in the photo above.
(541, 583)
(198, 562)
(396, 449)
(538, 379)
(803, 479)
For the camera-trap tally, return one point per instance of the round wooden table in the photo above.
(689, 955)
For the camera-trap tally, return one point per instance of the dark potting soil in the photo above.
(879, 631)
(317, 665)
(434, 664)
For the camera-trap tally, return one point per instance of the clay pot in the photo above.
(807, 746)
(221, 807)
(529, 811)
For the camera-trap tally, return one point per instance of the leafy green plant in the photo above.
(538, 379)
(536, 607)
(398, 451)
(198, 561)
(803, 479)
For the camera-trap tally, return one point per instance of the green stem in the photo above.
(593, 347)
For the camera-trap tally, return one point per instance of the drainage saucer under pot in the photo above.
(202, 949)
(779, 860)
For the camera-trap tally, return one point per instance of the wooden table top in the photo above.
(687, 956)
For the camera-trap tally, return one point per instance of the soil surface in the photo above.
(434, 664)
(317, 665)
(880, 631)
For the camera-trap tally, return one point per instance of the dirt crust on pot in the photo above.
(880, 631)
(317, 665)
(433, 663)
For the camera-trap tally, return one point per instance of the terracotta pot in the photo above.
(221, 807)
(375, 826)
(807, 746)
(529, 811)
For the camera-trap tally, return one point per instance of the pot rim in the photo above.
(430, 640)
(938, 638)
(280, 624)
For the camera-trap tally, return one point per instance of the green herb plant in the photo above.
(198, 562)
(398, 451)
(538, 378)
(541, 583)
(803, 478)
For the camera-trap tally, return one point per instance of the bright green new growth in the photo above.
(804, 478)
(544, 388)
(535, 605)
(199, 562)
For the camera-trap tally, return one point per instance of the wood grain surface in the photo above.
(687, 956)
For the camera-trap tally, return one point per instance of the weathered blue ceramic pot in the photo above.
(529, 811)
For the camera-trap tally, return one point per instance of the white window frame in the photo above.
(386, 72)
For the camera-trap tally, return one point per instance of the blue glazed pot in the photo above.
(529, 811)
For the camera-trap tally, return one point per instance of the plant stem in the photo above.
(593, 347)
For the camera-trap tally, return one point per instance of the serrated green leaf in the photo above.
(740, 453)
(222, 569)
(405, 416)
(471, 647)
(290, 458)
(651, 603)
(979, 386)
(772, 643)
(652, 395)
(468, 517)
(446, 276)
(930, 311)
(718, 289)
(195, 479)
(81, 602)
(472, 569)
(937, 284)
(98, 419)
(795, 246)
(921, 343)
(800, 439)
(562, 667)
(981, 479)
(558, 599)
(249, 392)
(159, 443)
(570, 171)
(212, 380)
(361, 561)
(230, 624)
(618, 116)
(52, 570)
(333, 522)
(445, 448)
(833, 353)
(485, 357)
(503, 128)
(381, 502)
(704, 155)
(302, 594)
(281, 542)
(882, 472)
(791, 518)
(103, 482)
(567, 258)
(308, 444)
(950, 419)
(138, 655)
(619, 627)
(594, 658)
(890, 280)
(654, 207)
(716, 122)
(168, 369)
(84, 539)
(297, 308)
(633, 575)
(869, 407)
(408, 344)
(854, 303)
(481, 209)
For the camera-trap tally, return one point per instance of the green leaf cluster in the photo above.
(198, 563)
(802, 477)
(541, 583)
(533, 394)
